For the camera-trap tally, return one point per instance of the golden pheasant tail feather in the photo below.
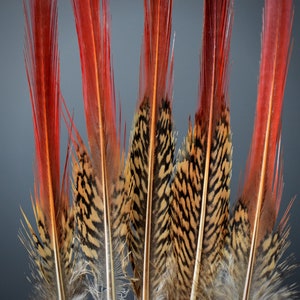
(56, 275)
(97, 174)
(150, 159)
(254, 247)
(200, 189)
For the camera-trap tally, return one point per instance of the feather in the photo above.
(263, 182)
(150, 159)
(203, 170)
(254, 245)
(96, 174)
(51, 249)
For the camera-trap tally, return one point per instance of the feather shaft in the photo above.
(258, 212)
(151, 155)
(205, 186)
(215, 53)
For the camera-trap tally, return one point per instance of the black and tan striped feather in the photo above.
(186, 206)
(135, 193)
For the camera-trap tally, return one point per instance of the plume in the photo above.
(149, 164)
(97, 173)
(152, 223)
(55, 274)
(200, 189)
(254, 245)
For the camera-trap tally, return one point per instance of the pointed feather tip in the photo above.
(156, 62)
(214, 79)
(42, 68)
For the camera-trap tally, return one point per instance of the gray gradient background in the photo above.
(16, 133)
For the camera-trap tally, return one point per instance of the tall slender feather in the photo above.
(262, 189)
(96, 175)
(262, 170)
(150, 160)
(50, 249)
(203, 170)
(254, 246)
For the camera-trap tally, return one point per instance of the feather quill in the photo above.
(51, 249)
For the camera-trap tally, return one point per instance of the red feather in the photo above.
(51, 249)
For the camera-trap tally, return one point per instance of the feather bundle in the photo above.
(156, 225)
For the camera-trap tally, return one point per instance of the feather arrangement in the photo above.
(155, 224)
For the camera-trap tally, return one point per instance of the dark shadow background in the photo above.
(16, 133)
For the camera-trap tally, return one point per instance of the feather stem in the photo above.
(151, 155)
(110, 277)
(259, 204)
(205, 189)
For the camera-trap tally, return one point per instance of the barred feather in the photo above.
(254, 245)
(263, 201)
(95, 177)
(150, 160)
(201, 185)
(51, 249)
